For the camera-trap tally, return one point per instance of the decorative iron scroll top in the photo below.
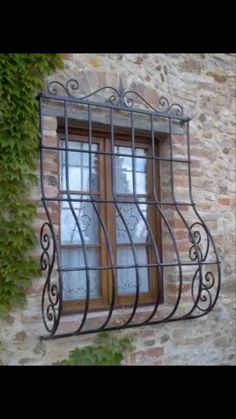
(118, 97)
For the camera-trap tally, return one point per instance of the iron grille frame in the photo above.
(52, 296)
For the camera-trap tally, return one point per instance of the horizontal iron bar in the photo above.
(89, 332)
(112, 106)
(97, 194)
(108, 201)
(98, 246)
(150, 265)
(115, 154)
(111, 328)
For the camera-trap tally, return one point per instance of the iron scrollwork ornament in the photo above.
(119, 97)
(51, 297)
(203, 297)
(196, 238)
(203, 300)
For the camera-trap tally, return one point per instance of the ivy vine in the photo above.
(21, 78)
(108, 350)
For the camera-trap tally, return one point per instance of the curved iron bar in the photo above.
(176, 109)
(210, 280)
(156, 251)
(163, 101)
(125, 225)
(72, 84)
(118, 98)
(51, 291)
(53, 85)
(204, 294)
(157, 206)
(109, 247)
(86, 306)
(191, 235)
(198, 238)
(204, 285)
(209, 239)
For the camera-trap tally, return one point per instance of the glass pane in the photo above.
(78, 167)
(85, 216)
(140, 171)
(127, 277)
(124, 171)
(134, 223)
(74, 282)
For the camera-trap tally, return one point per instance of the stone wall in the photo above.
(204, 84)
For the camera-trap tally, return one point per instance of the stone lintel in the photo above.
(78, 118)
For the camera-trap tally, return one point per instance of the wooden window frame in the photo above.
(107, 211)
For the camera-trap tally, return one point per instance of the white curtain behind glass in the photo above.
(74, 282)
(127, 278)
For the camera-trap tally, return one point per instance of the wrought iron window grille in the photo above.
(195, 265)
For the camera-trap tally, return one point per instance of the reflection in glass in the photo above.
(78, 167)
(124, 171)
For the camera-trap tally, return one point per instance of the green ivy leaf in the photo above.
(104, 354)
(22, 76)
(103, 338)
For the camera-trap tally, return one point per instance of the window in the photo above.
(107, 220)
(122, 226)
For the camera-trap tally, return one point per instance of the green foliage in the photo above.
(2, 347)
(21, 78)
(107, 351)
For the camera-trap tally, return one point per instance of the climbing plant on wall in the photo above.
(21, 77)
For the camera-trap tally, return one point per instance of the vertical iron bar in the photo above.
(183, 219)
(123, 219)
(134, 192)
(77, 224)
(158, 207)
(109, 247)
(156, 251)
